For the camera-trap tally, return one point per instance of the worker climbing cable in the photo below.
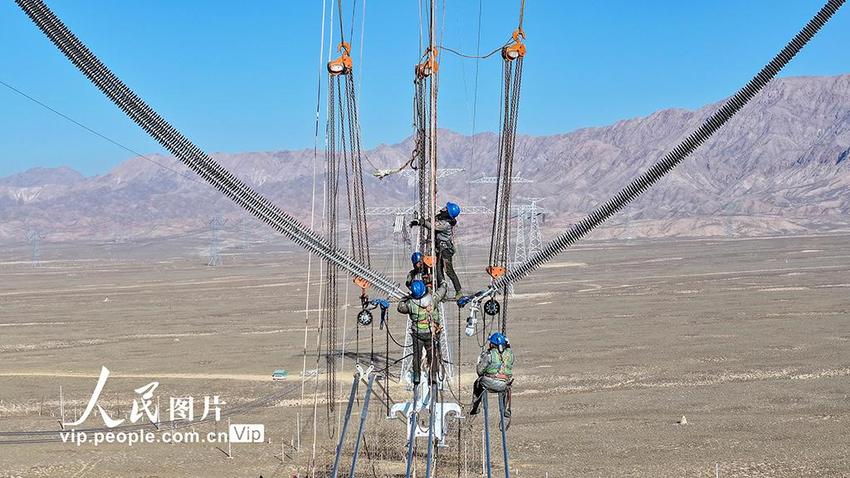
(495, 373)
(426, 327)
(444, 224)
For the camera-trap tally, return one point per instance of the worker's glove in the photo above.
(414, 223)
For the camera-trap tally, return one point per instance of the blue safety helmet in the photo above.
(416, 258)
(453, 209)
(498, 339)
(418, 289)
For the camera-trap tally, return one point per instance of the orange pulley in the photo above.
(362, 283)
(495, 271)
(429, 66)
(343, 64)
(517, 48)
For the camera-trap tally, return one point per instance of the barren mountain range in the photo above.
(780, 167)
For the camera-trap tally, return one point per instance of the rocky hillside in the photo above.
(780, 167)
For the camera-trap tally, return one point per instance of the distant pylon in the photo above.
(34, 238)
(520, 253)
(243, 234)
(535, 241)
(215, 225)
(528, 240)
(728, 226)
(627, 224)
(484, 179)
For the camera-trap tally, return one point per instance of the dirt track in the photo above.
(615, 343)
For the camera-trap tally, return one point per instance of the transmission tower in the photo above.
(34, 238)
(484, 179)
(215, 226)
(728, 226)
(536, 214)
(243, 234)
(521, 251)
(528, 240)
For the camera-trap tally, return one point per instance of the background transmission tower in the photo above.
(34, 238)
(215, 226)
(528, 240)
(243, 234)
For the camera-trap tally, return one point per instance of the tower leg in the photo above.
(502, 398)
(487, 439)
(412, 435)
(335, 469)
(363, 414)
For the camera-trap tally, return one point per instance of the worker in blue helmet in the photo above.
(426, 326)
(419, 271)
(495, 372)
(444, 225)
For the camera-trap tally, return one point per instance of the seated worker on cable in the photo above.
(419, 271)
(495, 372)
(422, 306)
(444, 225)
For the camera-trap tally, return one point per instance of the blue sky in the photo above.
(242, 76)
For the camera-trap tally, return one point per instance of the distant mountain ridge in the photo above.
(779, 167)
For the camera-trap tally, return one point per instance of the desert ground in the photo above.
(616, 342)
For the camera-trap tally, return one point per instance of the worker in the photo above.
(426, 328)
(495, 372)
(444, 225)
(419, 271)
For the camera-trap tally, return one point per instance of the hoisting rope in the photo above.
(512, 56)
(188, 153)
(710, 126)
(344, 156)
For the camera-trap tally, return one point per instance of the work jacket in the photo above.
(423, 316)
(445, 231)
(495, 365)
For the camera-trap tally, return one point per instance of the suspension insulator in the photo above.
(492, 307)
(364, 317)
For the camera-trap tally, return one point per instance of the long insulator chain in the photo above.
(187, 152)
(679, 153)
